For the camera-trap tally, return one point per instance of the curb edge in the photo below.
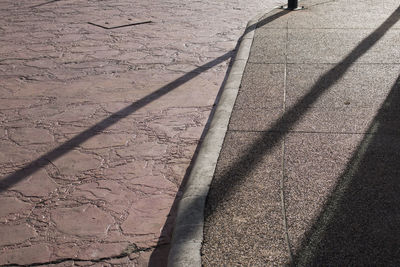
(185, 248)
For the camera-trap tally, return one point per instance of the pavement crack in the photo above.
(283, 177)
(283, 205)
(130, 249)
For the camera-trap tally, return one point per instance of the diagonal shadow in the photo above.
(281, 127)
(46, 3)
(120, 26)
(14, 178)
(34, 166)
(239, 169)
(360, 222)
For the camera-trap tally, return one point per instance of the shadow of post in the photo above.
(14, 178)
(46, 3)
(239, 169)
(249, 160)
(281, 127)
(360, 222)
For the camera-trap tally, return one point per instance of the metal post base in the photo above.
(292, 9)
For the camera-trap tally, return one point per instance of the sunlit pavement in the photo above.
(102, 105)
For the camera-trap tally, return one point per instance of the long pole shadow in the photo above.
(281, 127)
(360, 222)
(14, 178)
(239, 169)
(46, 3)
(121, 26)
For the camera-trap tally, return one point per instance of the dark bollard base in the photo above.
(292, 9)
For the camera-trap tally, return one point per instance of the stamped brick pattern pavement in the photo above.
(99, 125)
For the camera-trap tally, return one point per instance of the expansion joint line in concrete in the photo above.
(282, 180)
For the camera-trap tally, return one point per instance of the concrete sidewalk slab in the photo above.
(312, 181)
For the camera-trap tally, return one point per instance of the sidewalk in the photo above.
(309, 170)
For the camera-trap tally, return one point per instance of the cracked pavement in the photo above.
(98, 125)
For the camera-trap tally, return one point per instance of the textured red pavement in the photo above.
(98, 125)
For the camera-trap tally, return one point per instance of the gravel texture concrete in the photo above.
(312, 181)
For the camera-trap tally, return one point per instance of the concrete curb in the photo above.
(188, 233)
